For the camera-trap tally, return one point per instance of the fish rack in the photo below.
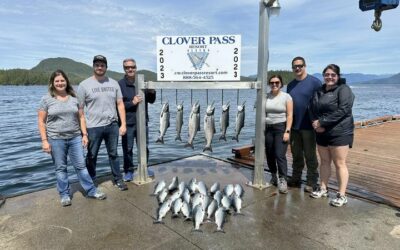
(262, 70)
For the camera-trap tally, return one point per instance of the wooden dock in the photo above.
(373, 162)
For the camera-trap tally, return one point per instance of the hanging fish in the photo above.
(194, 123)
(209, 126)
(239, 120)
(179, 121)
(224, 120)
(164, 122)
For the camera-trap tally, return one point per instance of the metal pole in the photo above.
(263, 54)
(141, 178)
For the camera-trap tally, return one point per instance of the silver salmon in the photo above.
(179, 121)
(209, 127)
(194, 124)
(164, 122)
(240, 116)
(224, 121)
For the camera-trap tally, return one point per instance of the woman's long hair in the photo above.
(52, 91)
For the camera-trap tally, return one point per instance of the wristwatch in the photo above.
(288, 131)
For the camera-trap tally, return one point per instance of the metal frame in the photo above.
(263, 56)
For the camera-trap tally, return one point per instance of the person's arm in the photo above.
(42, 118)
(289, 119)
(82, 123)
(122, 117)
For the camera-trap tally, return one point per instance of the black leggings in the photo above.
(276, 148)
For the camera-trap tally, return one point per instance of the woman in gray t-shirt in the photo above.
(279, 117)
(63, 131)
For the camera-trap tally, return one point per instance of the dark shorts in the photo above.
(343, 140)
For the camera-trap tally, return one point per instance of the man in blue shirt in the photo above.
(302, 137)
(131, 100)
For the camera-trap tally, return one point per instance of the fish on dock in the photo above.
(198, 217)
(159, 187)
(164, 122)
(220, 219)
(162, 211)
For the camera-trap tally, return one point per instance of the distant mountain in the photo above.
(76, 72)
(394, 79)
(357, 77)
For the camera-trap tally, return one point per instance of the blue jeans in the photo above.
(127, 146)
(110, 134)
(60, 149)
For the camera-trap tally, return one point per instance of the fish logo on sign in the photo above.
(198, 58)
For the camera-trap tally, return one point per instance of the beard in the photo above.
(99, 73)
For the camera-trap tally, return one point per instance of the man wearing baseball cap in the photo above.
(101, 96)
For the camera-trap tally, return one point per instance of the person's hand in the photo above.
(316, 124)
(137, 99)
(122, 130)
(320, 130)
(85, 141)
(46, 146)
(286, 137)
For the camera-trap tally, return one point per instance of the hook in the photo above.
(377, 23)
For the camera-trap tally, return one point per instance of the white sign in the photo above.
(198, 58)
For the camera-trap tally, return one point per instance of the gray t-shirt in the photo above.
(62, 117)
(99, 100)
(275, 107)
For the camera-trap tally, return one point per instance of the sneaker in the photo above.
(339, 201)
(274, 180)
(98, 195)
(121, 186)
(319, 193)
(65, 201)
(282, 186)
(294, 183)
(128, 176)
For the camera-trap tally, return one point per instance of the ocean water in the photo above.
(25, 168)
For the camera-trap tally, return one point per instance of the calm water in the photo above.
(25, 168)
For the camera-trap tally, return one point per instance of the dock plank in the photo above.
(373, 163)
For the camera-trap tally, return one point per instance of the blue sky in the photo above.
(320, 30)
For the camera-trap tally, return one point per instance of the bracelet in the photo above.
(44, 139)
(85, 134)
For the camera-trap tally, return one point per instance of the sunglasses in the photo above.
(129, 67)
(275, 83)
(330, 75)
(298, 66)
(99, 65)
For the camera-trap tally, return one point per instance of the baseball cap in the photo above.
(100, 58)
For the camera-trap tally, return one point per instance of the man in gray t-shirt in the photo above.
(101, 96)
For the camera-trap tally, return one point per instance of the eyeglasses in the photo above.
(275, 83)
(298, 66)
(333, 75)
(129, 67)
